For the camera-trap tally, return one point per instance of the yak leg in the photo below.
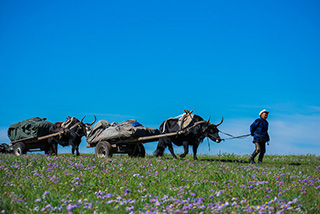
(163, 143)
(160, 147)
(52, 147)
(186, 149)
(75, 145)
(75, 148)
(72, 149)
(171, 150)
(195, 149)
(55, 148)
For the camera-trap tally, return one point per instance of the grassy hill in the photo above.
(216, 183)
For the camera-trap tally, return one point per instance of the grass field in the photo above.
(215, 184)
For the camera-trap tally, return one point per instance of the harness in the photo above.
(183, 120)
(194, 125)
(72, 127)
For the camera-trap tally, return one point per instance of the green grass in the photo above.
(215, 183)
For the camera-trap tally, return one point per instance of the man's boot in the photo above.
(260, 158)
(251, 159)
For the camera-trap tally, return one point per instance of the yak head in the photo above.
(211, 131)
(87, 127)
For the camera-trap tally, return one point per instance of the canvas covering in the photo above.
(185, 120)
(103, 130)
(96, 130)
(33, 127)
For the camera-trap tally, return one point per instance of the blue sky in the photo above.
(150, 60)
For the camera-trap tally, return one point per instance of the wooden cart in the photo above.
(32, 144)
(132, 147)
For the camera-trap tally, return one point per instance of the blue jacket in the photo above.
(259, 130)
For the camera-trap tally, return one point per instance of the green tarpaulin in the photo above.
(33, 127)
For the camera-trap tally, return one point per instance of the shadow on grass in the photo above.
(295, 164)
(225, 160)
(243, 161)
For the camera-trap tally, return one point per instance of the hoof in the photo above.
(182, 155)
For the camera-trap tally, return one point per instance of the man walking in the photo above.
(259, 131)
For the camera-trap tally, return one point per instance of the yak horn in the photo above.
(220, 122)
(93, 121)
(82, 119)
(209, 119)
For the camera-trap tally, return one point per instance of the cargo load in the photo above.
(33, 127)
(104, 131)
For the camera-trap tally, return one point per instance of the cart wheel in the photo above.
(4, 148)
(138, 151)
(19, 149)
(103, 149)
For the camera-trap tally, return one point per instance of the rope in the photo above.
(234, 137)
(231, 137)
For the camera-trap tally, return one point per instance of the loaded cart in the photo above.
(127, 137)
(31, 144)
(30, 135)
(119, 138)
(132, 147)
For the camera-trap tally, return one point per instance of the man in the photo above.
(259, 131)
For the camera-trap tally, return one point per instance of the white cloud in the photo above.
(296, 134)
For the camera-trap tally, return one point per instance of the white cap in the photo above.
(263, 111)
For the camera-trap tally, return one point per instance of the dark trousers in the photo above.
(260, 149)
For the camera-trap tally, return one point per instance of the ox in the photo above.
(71, 133)
(194, 134)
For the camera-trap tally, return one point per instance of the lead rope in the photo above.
(234, 137)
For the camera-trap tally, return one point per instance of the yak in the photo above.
(193, 135)
(71, 133)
